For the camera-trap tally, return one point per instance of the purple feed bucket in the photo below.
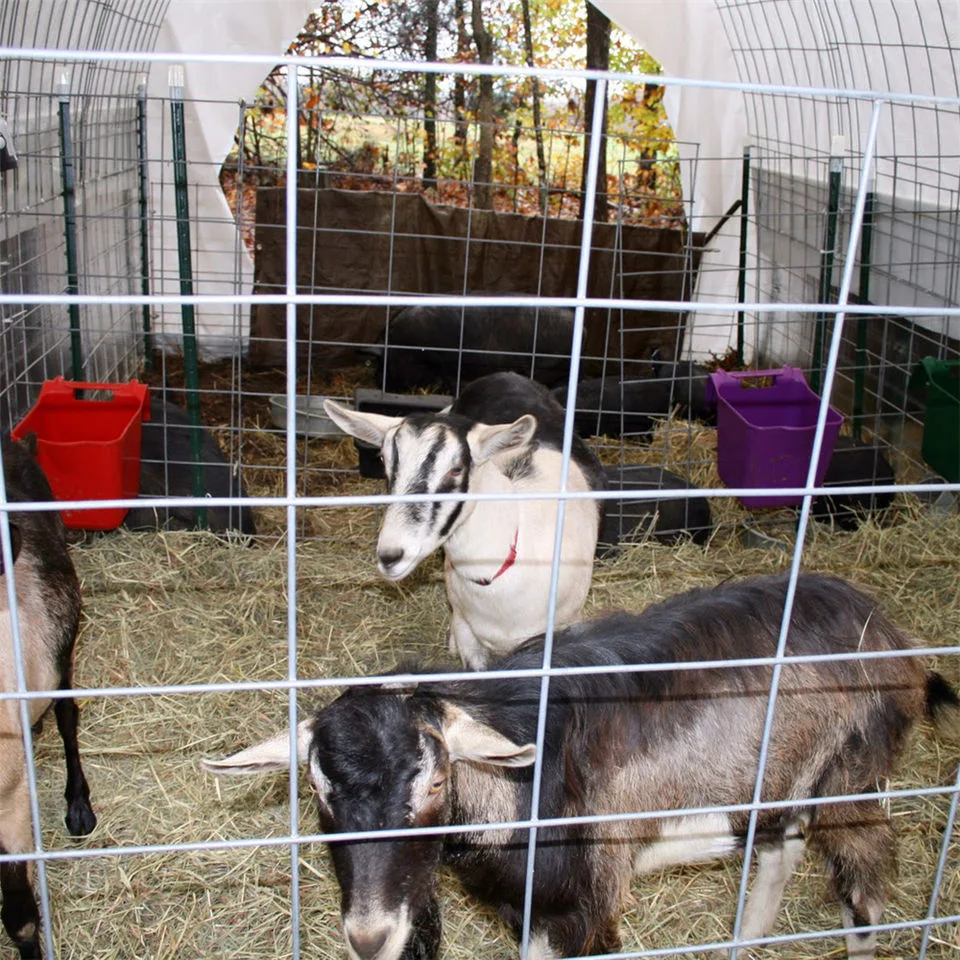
(765, 433)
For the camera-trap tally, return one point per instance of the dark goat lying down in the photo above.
(461, 752)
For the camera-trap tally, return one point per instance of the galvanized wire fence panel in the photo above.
(788, 324)
(99, 98)
(904, 47)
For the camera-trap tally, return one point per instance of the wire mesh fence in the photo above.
(194, 647)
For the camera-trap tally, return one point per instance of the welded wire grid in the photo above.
(99, 95)
(880, 113)
(359, 162)
(890, 45)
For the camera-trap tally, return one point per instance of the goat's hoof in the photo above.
(29, 948)
(80, 819)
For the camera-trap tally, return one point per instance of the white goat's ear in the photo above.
(369, 427)
(487, 440)
(468, 739)
(272, 754)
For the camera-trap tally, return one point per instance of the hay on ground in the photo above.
(189, 608)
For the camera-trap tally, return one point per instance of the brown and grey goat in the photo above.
(503, 435)
(617, 742)
(48, 607)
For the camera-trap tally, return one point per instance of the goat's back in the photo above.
(686, 737)
(505, 397)
(48, 591)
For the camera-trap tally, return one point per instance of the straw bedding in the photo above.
(189, 608)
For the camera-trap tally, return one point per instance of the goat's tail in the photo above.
(943, 703)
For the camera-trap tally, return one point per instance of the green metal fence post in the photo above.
(68, 179)
(190, 368)
(144, 220)
(742, 266)
(827, 255)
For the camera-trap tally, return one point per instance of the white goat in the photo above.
(503, 435)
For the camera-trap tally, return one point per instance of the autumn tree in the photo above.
(537, 117)
(460, 129)
(426, 130)
(598, 58)
(483, 167)
(430, 16)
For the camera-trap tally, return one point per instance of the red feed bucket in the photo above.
(89, 449)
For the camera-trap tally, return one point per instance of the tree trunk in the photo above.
(460, 86)
(535, 89)
(598, 58)
(483, 167)
(430, 97)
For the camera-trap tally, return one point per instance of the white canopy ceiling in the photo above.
(882, 45)
(900, 46)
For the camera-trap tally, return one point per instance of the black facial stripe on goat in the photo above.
(424, 479)
(460, 486)
(394, 461)
(421, 482)
(452, 519)
(414, 513)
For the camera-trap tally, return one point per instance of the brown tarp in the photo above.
(374, 242)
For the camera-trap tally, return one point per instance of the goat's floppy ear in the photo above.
(369, 427)
(272, 754)
(468, 739)
(487, 440)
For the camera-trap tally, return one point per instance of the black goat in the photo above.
(426, 344)
(619, 742)
(48, 605)
(631, 408)
(166, 470)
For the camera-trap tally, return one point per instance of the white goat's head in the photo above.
(424, 454)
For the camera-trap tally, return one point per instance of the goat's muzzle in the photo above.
(391, 563)
(367, 944)
(379, 938)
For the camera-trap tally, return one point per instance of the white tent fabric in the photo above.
(711, 126)
(221, 264)
(900, 46)
(904, 46)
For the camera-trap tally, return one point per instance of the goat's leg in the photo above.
(775, 866)
(573, 935)
(21, 918)
(19, 913)
(602, 876)
(80, 818)
(858, 842)
(464, 643)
